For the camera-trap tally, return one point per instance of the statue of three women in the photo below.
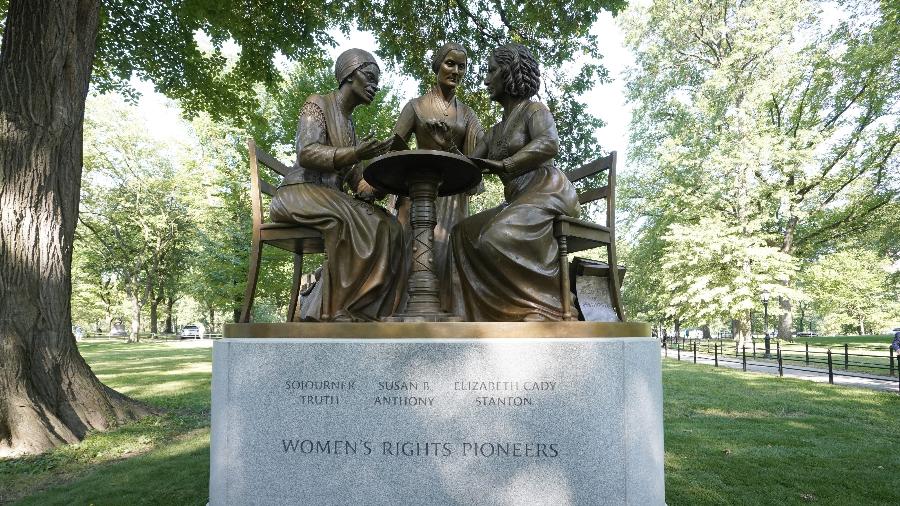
(498, 265)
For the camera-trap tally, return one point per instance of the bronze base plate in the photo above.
(422, 318)
(437, 330)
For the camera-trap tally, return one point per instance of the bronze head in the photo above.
(449, 63)
(359, 70)
(351, 60)
(513, 71)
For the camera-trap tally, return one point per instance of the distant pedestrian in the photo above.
(896, 344)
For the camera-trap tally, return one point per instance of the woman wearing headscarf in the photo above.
(364, 243)
(507, 257)
(440, 121)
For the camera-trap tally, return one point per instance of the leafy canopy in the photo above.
(761, 133)
(156, 40)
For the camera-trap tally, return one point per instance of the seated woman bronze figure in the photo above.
(364, 244)
(507, 256)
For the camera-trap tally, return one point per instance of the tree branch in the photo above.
(485, 31)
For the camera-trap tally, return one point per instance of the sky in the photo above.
(606, 101)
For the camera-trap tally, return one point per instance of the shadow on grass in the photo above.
(157, 460)
(174, 474)
(738, 438)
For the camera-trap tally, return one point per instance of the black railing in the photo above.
(853, 363)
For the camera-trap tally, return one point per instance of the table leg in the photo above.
(424, 287)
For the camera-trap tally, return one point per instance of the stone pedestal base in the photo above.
(520, 420)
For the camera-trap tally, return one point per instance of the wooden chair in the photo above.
(576, 235)
(287, 236)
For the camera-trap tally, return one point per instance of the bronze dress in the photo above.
(507, 257)
(364, 244)
(465, 132)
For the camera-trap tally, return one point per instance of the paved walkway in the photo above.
(791, 370)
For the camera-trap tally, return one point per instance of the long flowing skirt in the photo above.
(364, 246)
(507, 257)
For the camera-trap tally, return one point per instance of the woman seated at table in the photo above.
(507, 257)
(442, 122)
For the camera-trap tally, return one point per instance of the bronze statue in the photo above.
(507, 256)
(364, 243)
(440, 121)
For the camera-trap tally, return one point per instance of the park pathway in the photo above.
(817, 374)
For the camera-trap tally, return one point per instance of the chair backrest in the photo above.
(603, 164)
(258, 186)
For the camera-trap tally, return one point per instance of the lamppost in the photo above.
(765, 301)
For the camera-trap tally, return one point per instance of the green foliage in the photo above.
(759, 125)
(715, 271)
(850, 288)
(96, 300)
(157, 40)
(135, 219)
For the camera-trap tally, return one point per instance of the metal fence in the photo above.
(842, 361)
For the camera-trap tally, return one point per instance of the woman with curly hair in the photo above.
(507, 257)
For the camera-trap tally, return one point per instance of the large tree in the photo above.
(851, 290)
(48, 395)
(763, 133)
(135, 207)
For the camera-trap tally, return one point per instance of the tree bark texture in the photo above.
(48, 394)
(134, 335)
(170, 304)
(786, 319)
(154, 316)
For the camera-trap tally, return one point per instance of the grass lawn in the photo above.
(158, 460)
(873, 343)
(742, 438)
(731, 438)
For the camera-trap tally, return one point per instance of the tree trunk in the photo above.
(677, 329)
(134, 336)
(48, 394)
(706, 333)
(170, 303)
(786, 320)
(236, 312)
(740, 330)
(154, 315)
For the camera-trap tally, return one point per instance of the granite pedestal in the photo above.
(370, 414)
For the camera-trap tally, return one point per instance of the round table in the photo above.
(423, 175)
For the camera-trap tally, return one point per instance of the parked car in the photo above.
(807, 333)
(192, 331)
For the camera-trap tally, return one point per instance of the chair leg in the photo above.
(564, 286)
(614, 282)
(252, 278)
(295, 286)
